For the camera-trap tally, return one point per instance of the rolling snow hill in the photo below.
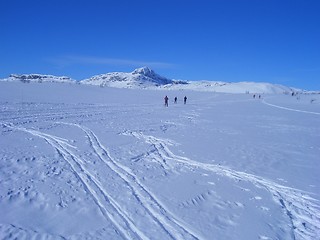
(84, 162)
(239, 87)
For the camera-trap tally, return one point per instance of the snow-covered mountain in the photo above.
(145, 78)
(27, 78)
(140, 78)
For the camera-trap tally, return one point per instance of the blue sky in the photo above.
(275, 41)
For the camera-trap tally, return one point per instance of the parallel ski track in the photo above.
(302, 210)
(16, 116)
(107, 205)
(170, 223)
(110, 209)
(33, 114)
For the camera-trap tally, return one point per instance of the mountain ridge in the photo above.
(146, 78)
(35, 77)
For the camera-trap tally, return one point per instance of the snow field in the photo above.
(78, 162)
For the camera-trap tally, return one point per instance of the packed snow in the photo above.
(83, 162)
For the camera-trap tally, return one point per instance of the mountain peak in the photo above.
(147, 74)
(144, 71)
(140, 77)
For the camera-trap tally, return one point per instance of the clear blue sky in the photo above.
(275, 41)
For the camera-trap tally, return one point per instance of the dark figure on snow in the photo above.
(175, 100)
(166, 99)
(185, 99)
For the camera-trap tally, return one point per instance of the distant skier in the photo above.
(175, 100)
(185, 99)
(166, 99)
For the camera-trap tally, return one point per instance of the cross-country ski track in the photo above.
(303, 210)
(162, 218)
(223, 166)
(289, 109)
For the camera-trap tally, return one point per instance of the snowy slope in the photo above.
(83, 162)
(139, 78)
(38, 78)
(237, 87)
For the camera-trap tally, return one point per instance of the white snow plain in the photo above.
(83, 162)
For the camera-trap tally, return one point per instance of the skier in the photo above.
(166, 101)
(175, 100)
(185, 99)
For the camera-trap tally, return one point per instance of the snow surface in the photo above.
(83, 162)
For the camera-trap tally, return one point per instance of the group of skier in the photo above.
(166, 100)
